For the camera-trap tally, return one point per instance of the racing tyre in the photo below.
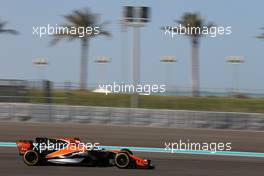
(122, 160)
(31, 158)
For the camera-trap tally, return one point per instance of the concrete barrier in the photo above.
(128, 116)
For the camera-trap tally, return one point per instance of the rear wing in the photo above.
(24, 145)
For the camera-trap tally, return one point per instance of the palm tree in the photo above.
(76, 20)
(3, 30)
(193, 22)
(261, 36)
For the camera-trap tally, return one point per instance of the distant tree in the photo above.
(261, 36)
(3, 30)
(81, 19)
(193, 22)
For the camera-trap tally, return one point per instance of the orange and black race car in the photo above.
(69, 151)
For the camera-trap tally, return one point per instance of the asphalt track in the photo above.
(166, 164)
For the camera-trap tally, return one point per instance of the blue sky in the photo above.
(17, 52)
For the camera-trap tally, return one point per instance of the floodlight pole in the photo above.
(235, 77)
(126, 77)
(136, 17)
(40, 64)
(101, 62)
(136, 63)
(167, 60)
(235, 61)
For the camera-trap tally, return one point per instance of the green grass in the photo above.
(224, 104)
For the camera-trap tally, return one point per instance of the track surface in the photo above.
(166, 164)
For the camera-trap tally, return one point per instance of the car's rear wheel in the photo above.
(122, 160)
(31, 158)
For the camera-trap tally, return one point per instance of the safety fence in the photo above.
(130, 116)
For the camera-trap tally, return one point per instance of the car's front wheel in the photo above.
(122, 160)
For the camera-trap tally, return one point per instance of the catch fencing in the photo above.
(130, 116)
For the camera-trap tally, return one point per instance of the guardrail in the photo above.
(128, 116)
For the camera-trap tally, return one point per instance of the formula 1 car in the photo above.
(69, 152)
